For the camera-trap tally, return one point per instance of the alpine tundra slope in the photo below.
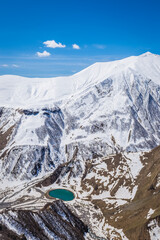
(97, 133)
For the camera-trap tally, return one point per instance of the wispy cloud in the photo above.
(4, 65)
(10, 65)
(15, 65)
(43, 54)
(53, 44)
(99, 46)
(75, 46)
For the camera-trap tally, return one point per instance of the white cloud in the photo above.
(75, 46)
(15, 65)
(4, 65)
(43, 54)
(53, 44)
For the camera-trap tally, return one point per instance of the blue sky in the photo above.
(104, 30)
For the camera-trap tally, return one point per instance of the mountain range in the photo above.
(97, 133)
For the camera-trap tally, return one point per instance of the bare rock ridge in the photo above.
(55, 221)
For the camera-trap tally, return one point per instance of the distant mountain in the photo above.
(90, 132)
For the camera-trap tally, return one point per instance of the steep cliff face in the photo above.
(92, 132)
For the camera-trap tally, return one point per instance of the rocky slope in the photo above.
(30, 142)
(91, 132)
(54, 222)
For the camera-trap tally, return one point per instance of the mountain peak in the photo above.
(146, 54)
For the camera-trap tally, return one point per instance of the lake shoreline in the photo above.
(63, 195)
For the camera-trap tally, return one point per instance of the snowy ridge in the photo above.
(16, 91)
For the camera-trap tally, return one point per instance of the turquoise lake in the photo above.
(62, 194)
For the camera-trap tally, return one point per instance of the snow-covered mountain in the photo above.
(24, 92)
(106, 116)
